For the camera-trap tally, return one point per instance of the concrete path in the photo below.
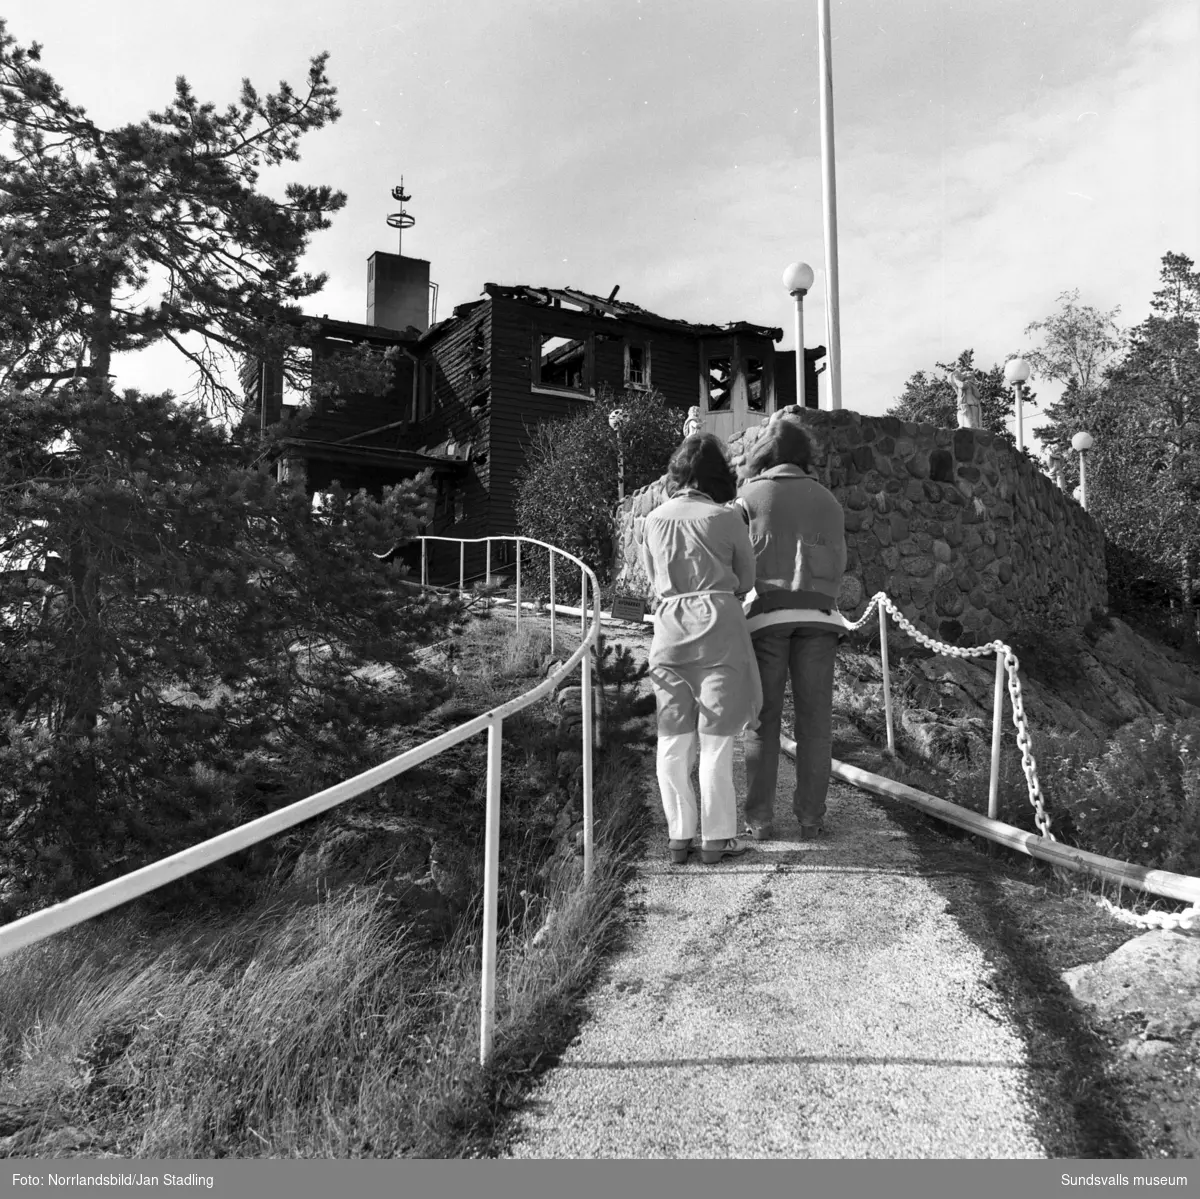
(810, 1000)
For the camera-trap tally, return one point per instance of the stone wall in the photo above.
(966, 535)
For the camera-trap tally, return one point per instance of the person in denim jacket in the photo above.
(798, 531)
(697, 555)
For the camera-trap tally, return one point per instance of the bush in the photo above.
(1135, 797)
(567, 494)
(1139, 800)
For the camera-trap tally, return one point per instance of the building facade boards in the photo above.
(469, 390)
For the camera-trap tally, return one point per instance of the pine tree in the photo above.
(1143, 410)
(93, 221)
(1153, 403)
(181, 637)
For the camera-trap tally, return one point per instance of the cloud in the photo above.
(969, 249)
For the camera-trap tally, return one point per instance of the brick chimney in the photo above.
(397, 291)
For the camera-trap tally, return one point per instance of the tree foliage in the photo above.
(93, 221)
(1077, 343)
(1144, 469)
(180, 636)
(567, 494)
(931, 398)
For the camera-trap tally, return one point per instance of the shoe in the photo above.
(712, 852)
(810, 832)
(760, 830)
(680, 850)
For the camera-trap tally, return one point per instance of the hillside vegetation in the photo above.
(335, 1012)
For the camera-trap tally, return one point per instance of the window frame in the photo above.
(545, 331)
(708, 354)
(644, 384)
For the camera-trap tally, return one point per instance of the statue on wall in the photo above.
(970, 408)
(692, 424)
(1056, 466)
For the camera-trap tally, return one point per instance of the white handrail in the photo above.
(39, 925)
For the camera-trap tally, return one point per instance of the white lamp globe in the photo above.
(1082, 442)
(1016, 370)
(798, 276)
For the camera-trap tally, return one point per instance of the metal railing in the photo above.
(38, 926)
(585, 574)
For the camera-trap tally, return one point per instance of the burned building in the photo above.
(469, 389)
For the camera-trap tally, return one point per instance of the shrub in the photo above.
(567, 493)
(1135, 797)
(1139, 800)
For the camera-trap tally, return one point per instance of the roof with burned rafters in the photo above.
(572, 298)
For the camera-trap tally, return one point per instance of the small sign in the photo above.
(629, 607)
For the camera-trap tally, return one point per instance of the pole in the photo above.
(829, 204)
(799, 348)
(487, 568)
(589, 733)
(620, 471)
(552, 616)
(1020, 425)
(997, 729)
(491, 880)
(462, 566)
(887, 683)
(424, 562)
(518, 586)
(1082, 480)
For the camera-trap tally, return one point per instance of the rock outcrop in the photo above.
(1155, 977)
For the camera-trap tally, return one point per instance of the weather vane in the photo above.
(401, 220)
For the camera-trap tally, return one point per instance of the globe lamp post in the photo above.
(1081, 443)
(616, 418)
(798, 278)
(1016, 371)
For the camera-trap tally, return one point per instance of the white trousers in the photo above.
(718, 801)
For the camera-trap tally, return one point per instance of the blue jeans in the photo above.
(806, 654)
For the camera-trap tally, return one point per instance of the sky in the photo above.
(990, 154)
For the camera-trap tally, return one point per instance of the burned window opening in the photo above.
(562, 362)
(294, 391)
(720, 383)
(756, 392)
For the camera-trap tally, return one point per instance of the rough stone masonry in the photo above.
(966, 535)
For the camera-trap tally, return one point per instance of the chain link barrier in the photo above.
(1011, 665)
(1187, 920)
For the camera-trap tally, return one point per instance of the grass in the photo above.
(296, 1028)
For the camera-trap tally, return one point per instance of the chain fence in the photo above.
(1187, 920)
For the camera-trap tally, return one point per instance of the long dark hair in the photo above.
(702, 462)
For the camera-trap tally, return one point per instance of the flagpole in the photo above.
(829, 207)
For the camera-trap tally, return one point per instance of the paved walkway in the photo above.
(810, 1000)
